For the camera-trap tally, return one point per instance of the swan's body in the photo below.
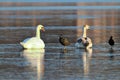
(84, 41)
(34, 42)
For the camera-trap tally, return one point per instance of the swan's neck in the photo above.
(84, 32)
(37, 33)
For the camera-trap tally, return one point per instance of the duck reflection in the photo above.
(36, 59)
(63, 53)
(87, 54)
(111, 51)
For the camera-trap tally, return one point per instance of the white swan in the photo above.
(84, 41)
(34, 42)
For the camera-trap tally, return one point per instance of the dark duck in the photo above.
(111, 41)
(64, 41)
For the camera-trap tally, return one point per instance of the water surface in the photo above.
(54, 63)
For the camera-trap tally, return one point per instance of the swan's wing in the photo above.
(27, 39)
(24, 41)
(33, 43)
(32, 40)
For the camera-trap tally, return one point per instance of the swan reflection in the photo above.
(87, 54)
(86, 58)
(36, 60)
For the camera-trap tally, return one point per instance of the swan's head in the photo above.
(41, 27)
(87, 26)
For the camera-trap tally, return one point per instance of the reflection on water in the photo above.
(111, 51)
(36, 59)
(52, 63)
(86, 60)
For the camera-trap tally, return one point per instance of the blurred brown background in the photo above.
(18, 20)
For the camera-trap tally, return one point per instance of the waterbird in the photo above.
(111, 41)
(64, 41)
(34, 42)
(84, 41)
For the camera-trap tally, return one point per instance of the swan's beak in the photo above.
(42, 29)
